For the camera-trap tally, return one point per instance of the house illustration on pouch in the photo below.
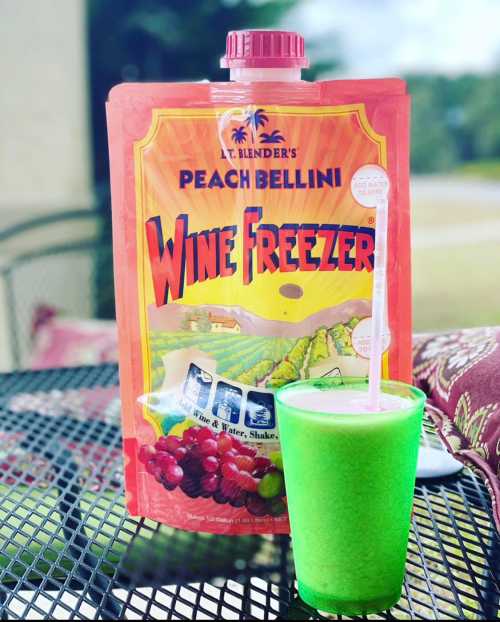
(214, 323)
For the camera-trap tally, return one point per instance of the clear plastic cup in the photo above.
(350, 480)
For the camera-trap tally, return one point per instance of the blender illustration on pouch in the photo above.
(260, 410)
(227, 403)
(197, 386)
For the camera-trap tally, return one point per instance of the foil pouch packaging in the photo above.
(243, 261)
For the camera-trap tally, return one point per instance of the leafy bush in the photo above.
(297, 354)
(341, 337)
(319, 347)
(256, 373)
(284, 373)
(354, 321)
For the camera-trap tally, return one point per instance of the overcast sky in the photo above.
(382, 37)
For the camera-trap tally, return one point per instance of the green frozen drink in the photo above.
(350, 476)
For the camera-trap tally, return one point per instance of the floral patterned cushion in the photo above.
(68, 342)
(460, 372)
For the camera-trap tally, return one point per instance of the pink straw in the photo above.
(378, 304)
(370, 188)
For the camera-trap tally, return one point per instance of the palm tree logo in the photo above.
(274, 137)
(255, 119)
(239, 135)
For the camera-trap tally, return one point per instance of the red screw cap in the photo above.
(264, 49)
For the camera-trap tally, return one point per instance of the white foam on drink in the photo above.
(343, 401)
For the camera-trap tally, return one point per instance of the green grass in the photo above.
(456, 284)
(482, 169)
(456, 287)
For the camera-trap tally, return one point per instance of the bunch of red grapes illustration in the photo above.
(207, 464)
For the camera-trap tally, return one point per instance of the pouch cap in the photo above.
(265, 49)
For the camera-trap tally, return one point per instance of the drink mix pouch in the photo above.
(243, 262)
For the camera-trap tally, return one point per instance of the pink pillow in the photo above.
(460, 372)
(67, 342)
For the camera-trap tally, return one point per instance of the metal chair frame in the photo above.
(17, 260)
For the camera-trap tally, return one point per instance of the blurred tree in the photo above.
(454, 120)
(186, 321)
(203, 323)
(482, 118)
(432, 146)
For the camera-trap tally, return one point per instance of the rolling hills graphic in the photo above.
(172, 317)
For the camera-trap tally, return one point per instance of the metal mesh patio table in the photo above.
(69, 550)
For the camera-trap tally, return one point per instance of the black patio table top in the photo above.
(69, 550)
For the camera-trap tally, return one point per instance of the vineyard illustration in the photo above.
(268, 362)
